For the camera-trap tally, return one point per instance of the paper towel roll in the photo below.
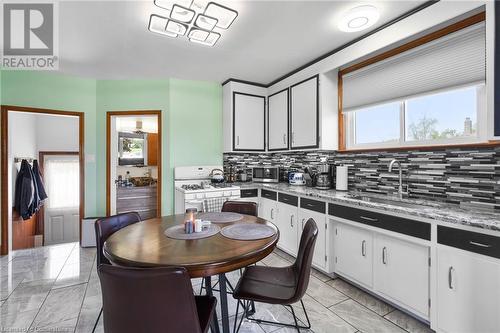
(341, 178)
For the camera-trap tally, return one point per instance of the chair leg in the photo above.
(97, 320)
(236, 316)
(243, 316)
(294, 325)
(295, 319)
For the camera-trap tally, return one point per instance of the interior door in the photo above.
(249, 111)
(61, 212)
(304, 109)
(278, 121)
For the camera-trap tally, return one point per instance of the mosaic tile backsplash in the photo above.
(468, 177)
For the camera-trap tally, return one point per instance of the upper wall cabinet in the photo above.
(277, 131)
(248, 122)
(304, 114)
(244, 117)
(301, 116)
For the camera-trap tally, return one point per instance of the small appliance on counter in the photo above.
(268, 174)
(296, 178)
(231, 176)
(242, 176)
(323, 177)
(217, 176)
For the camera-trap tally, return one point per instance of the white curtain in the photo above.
(62, 180)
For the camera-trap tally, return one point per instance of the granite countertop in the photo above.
(415, 207)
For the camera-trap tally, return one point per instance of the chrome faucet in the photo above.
(400, 189)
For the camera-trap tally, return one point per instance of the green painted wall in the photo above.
(195, 124)
(52, 91)
(127, 95)
(191, 117)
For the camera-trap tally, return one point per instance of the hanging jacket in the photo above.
(35, 203)
(42, 194)
(24, 191)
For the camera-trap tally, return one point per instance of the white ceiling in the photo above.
(110, 39)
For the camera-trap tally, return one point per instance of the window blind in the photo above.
(453, 60)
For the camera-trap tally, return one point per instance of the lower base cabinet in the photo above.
(468, 292)
(401, 272)
(353, 248)
(268, 210)
(320, 256)
(288, 227)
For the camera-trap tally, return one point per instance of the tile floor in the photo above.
(56, 289)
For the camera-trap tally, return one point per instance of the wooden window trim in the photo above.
(480, 17)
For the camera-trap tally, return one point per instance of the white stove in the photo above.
(193, 186)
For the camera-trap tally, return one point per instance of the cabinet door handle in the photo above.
(384, 259)
(291, 221)
(366, 218)
(363, 248)
(450, 277)
(284, 139)
(480, 244)
(272, 213)
(238, 140)
(293, 137)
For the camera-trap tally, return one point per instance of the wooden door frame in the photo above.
(4, 163)
(139, 113)
(41, 161)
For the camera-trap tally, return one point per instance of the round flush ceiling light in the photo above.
(359, 18)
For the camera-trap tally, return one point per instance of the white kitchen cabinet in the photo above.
(401, 272)
(353, 248)
(268, 210)
(277, 111)
(320, 258)
(468, 292)
(288, 227)
(249, 122)
(304, 114)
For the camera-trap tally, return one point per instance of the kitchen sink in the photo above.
(392, 201)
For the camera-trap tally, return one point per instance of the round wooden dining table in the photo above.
(144, 244)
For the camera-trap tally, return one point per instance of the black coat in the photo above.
(24, 191)
(39, 187)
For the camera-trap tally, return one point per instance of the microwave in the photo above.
(265, 174)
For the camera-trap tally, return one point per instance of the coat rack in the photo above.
(20, 159)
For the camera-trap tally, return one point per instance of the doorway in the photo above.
(60, 214)
(134, 162)
(7, 159)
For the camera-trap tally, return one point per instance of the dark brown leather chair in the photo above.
(242, 207)
(279, 285)
(106, 226)
(149, 300)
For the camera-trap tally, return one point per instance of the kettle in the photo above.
(217, 176)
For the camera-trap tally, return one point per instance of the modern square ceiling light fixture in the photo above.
(200, 22)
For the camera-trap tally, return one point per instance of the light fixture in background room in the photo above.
(199, 21)
(359, 18)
